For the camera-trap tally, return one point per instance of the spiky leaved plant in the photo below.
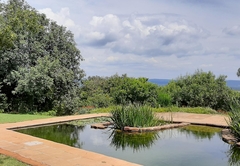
(134, 115)
(234, 119)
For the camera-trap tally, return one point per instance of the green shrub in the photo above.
(201, 89)
(45, 113)
(100, 100)
(164, 99)
(133, 90)
(95, 92)
(49, 113)
(134, 116)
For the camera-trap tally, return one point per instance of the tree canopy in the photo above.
(39, 61)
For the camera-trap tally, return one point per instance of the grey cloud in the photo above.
(235, 30)
(101, 42)
(205, 2)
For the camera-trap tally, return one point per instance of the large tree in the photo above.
(39, 61)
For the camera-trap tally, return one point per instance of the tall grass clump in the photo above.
(234, 120)
(134, 116)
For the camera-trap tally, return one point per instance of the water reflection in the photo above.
(201, 132)
(136, 141)
(64, 133)
(234, 155)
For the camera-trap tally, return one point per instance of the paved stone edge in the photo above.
(204, 124)
(21, 158)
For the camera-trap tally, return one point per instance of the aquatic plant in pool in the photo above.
(134, 115)
(187, 146)
(234, 120)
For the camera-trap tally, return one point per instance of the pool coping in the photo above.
(39, 152)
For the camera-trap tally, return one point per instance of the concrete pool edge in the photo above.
(51, 153)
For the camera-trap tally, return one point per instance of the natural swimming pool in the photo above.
(191, 145)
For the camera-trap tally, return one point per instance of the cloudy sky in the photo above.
(151, 38)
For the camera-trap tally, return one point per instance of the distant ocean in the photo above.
(234, 84)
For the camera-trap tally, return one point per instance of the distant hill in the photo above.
(160, 82)
(234, 84)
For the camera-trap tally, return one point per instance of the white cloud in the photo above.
(155, 39)
(134, 35)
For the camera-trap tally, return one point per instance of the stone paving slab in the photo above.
(217, 120)
(40, 152)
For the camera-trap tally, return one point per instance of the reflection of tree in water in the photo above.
(136, 141)
(201, 132)
(64, 133)
(234, 155)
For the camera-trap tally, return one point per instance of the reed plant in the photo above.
(234, 120)
(134, 115)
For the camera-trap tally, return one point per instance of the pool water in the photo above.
(186, 146)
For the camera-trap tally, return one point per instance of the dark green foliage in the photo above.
(94, 92)
(134, 116)
(39, 62)
(133, 90)
(201, 89)
(100, 100)
(3, 101)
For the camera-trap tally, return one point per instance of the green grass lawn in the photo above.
(9, 161)
(11, 118)
(197, 110)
